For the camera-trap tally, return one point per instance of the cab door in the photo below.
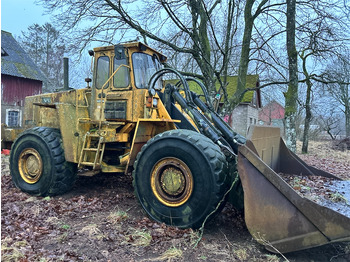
(113, 93)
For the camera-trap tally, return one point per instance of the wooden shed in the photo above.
(20, 77)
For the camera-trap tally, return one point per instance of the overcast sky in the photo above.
(17, 15)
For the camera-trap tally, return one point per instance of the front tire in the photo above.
(38, 165)
(180, 177)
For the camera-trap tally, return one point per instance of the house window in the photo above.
(13, 117)
(254, 100)
(250, 120)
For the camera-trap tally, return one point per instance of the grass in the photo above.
(138, 238)
(337, 197)
(117, 216)
(272, 258)
(53, 220)
(195, 237)
(168, 255)
(12, 252)
(171, 253)
(92, 231)
(36, 210)
(241, 254)
(263, 241)
(47, 198)
(63, 237)
(215, 249)
(66, 227)
(31, 199)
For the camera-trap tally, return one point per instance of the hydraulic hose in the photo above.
(230, 136)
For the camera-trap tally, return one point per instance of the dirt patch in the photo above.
(100, 220)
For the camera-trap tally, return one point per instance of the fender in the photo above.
(144, 131)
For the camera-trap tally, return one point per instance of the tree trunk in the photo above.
(291, 95)
(244, 60)
(202, 45)
(308, 116)
(347, 112)
(226, 56)
(308, 113)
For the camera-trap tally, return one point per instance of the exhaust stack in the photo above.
(66, 73)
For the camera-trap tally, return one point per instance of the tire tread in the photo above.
(212, 152)
(65, 173)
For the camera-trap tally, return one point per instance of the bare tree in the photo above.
(250, 15)
(339, 88)
(186, 27)
(308, 113)
(330, 122)
(202, 32)
(46, 47)
(201, 37)
(320, 38)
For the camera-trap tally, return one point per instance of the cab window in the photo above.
(144, 66)
(102, 71)
(121, 78)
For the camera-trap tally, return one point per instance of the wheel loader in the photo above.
(185, 160)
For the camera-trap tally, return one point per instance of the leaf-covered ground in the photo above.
(100, 220)
(326, 156)
(325, 191)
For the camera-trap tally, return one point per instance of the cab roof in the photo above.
(138, 45)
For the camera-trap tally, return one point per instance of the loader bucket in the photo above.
(276, 215)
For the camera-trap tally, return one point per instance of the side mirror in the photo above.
(88, 81)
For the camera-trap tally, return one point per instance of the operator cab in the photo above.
(130, 64)
(121, 76)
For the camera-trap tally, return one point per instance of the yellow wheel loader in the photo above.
(183, 157)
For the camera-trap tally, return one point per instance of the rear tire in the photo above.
(38, 165)
(180, 177)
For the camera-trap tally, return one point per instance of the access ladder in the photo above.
(92, 151)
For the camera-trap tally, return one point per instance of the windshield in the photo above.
(145, 66)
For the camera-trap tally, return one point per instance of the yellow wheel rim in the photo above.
(171, 182)
(30, 165)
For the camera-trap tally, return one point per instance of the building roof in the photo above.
(271, 111)
(15, 61)
(252, 81)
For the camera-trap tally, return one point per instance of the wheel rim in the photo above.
(30, 165)
(171, 182)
